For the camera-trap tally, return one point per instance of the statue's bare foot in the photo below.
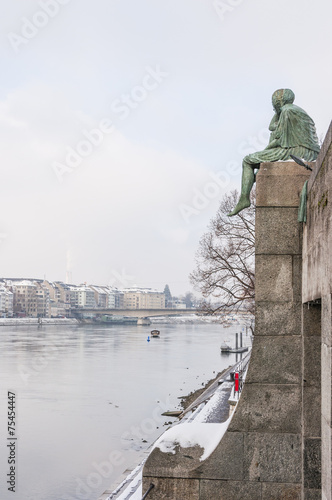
(243, 203)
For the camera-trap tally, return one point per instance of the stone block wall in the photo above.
(317, 324)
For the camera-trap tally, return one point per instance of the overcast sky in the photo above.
(123, 122)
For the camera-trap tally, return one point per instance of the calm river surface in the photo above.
(87, 399)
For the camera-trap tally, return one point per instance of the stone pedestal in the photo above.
(261, 455)
(287, 334)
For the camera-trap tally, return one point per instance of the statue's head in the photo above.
(281, 97)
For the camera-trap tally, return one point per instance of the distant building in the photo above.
(177, 304)
(82, 296)
(25, 298)
(6, 302)
(63, 296)
(112, 299)
(100, 295)
(59, 298)
(30, 298)
(118, 299)
(43, 300)
(57, 309)
(107, 297)
(143, 298)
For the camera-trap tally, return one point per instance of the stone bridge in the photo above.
(135, 313)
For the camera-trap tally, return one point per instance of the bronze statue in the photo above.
(293, 132)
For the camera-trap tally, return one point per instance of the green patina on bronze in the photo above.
(302, 215)
(293, 132)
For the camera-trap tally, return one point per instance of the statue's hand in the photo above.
(274, 122)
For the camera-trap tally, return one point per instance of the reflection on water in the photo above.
(89, 399)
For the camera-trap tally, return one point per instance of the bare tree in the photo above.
(226, 260)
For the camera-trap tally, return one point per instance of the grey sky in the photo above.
(187, 88)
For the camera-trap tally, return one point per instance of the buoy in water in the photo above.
(148, 339)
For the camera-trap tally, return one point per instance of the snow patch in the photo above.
(188, 435)
(219, 397)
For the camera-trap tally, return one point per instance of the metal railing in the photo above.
(148, 491)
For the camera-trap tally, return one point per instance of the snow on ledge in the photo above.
(188, 435)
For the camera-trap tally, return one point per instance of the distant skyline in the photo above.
(122, 124)
(70, 283)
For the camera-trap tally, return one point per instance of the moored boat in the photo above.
(225, 347)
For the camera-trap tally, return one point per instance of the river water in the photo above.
(89, 399)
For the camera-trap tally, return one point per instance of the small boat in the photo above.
(173, 413)
(155, 333)
(225, 347)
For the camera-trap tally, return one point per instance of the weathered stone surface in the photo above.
(277, 360)
(316, 284)
(326, 461)
(268, 408)
(273, 457)
(312, 494)
(297, 277)
(317, 258)
(226, 462)
(312, 463)
(275, 491)
(273, 222)
(323, 154)
(230, 490)
(311, 317)
(312, 411)
(172, 489)
(326, 388)
(281, 318)
(274, 278)
(312, 361)
(327, 384)
(316, 268)
(180, 464)
(279, 184)
(326, 320)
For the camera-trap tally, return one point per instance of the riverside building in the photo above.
(143, 298)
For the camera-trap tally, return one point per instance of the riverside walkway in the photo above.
(212, 406)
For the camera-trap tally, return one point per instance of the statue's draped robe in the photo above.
(292, 132)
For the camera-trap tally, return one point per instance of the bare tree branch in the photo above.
(225, 261)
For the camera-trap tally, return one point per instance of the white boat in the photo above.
(225, 347)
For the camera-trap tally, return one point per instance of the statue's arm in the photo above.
(275, 132)
(274, 122)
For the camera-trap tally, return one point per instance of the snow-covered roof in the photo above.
(140, 290)
(24, 283)
(98, 289)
